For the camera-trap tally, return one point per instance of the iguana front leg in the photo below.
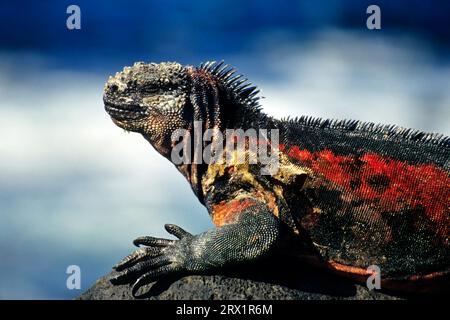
(252, 235)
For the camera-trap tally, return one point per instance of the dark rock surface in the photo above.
(277, 280)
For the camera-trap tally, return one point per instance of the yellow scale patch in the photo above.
(286, 174)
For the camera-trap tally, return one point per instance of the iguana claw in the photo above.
(159, 257)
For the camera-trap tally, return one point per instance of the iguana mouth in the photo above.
(124, 111)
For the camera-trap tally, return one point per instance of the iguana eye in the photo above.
(171, 87)
(163, 88)
(151, 89)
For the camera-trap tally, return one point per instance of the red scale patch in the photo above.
(393, 185)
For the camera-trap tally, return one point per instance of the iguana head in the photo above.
(151, 99)
(156, 99)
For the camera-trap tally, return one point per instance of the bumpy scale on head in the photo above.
(148, 98)
(157, 99)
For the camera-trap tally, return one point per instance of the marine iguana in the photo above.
(346, 194)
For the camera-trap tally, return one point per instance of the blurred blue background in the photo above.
(75, 189)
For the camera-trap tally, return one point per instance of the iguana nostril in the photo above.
(114, 88)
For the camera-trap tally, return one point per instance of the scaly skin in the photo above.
(347, 195)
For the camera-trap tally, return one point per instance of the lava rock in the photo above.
(266, 280)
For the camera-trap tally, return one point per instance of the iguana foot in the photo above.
(251, 237)
(159, 257)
